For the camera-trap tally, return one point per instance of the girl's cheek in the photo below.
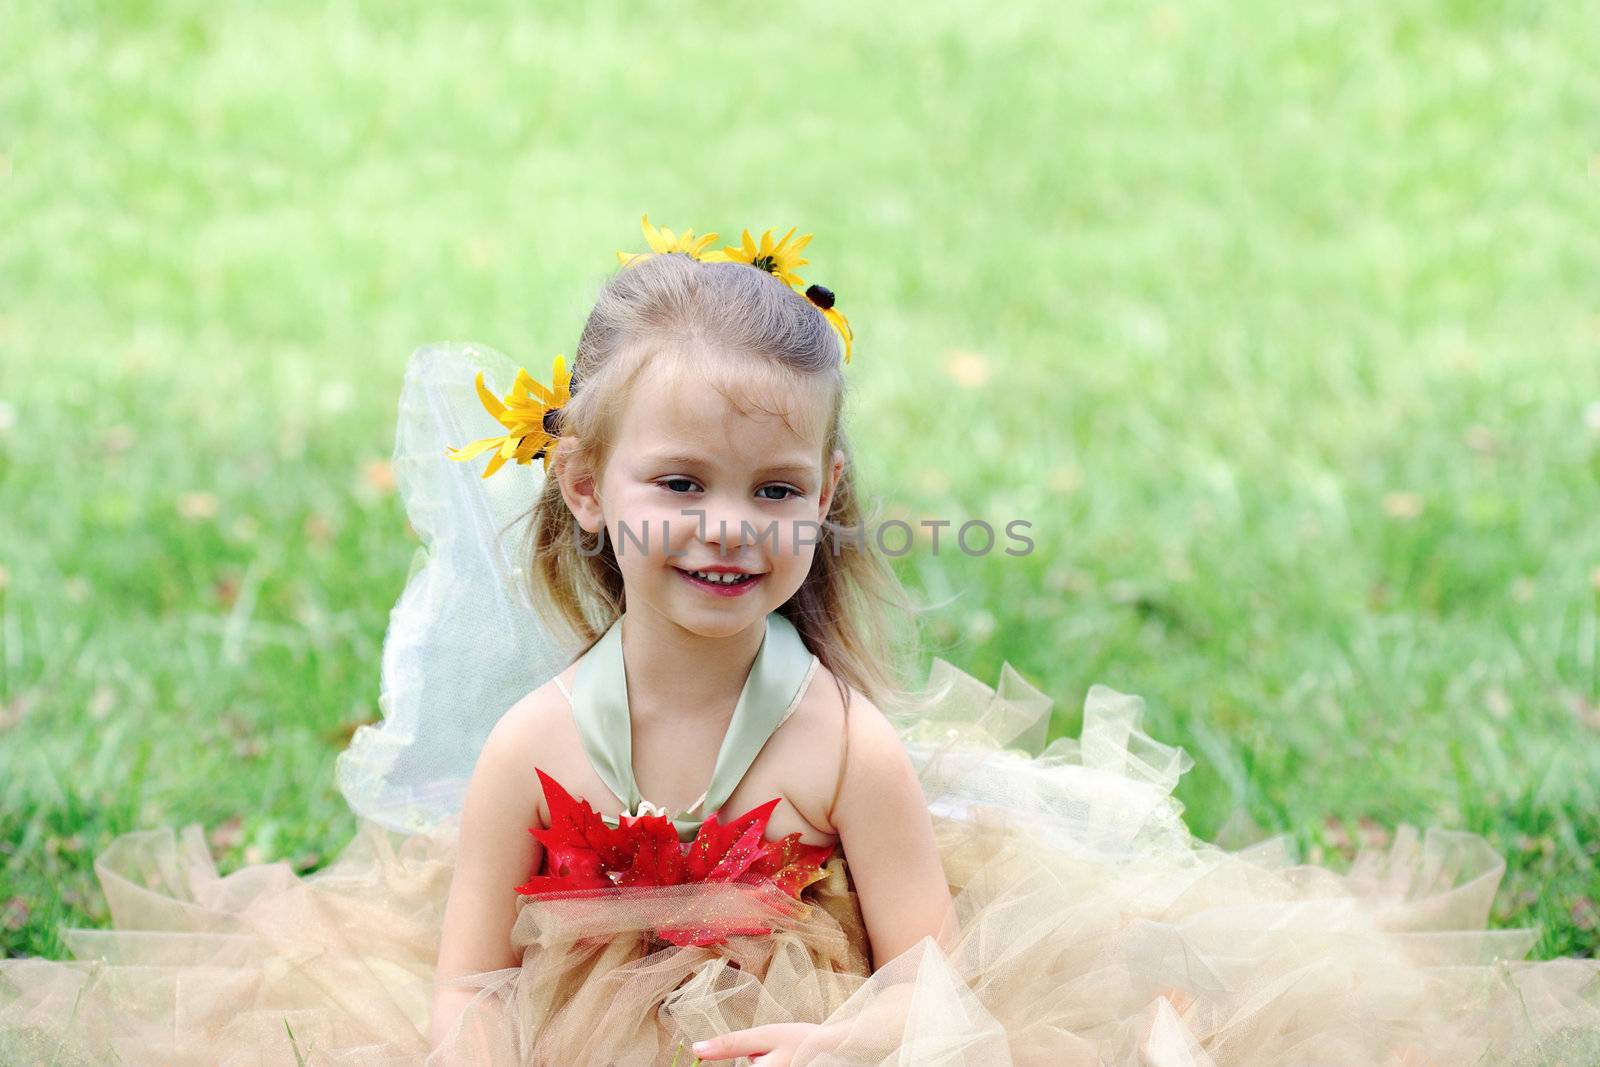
(773, 535)
(789, 547)
(665, 525)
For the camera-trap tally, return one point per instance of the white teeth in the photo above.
(720, 579)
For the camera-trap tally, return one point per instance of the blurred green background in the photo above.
(1277, 321)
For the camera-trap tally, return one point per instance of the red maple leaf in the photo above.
(582, 852)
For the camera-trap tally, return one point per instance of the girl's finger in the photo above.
(749, 1042)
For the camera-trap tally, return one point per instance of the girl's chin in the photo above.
(717, 621)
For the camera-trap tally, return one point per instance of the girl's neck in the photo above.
(678, 674)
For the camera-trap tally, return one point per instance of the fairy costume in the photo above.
(1095, 929)
(628, 975)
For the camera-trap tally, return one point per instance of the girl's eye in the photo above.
(785, 491)
(678, 481)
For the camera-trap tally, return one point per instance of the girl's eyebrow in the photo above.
(788, 468)
(685, 460)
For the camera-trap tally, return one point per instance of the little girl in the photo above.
(711, 821)
(698, 482)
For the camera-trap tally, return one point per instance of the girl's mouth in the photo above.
(740, 585)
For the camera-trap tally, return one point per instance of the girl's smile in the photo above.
(724, 582)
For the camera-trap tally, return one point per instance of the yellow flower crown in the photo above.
(779, 259)
(529, 412)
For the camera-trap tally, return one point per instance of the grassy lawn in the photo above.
(1277, 322)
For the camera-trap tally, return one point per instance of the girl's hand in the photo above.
(775, 1044)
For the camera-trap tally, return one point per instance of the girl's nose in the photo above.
(731, 524)
(725, 529)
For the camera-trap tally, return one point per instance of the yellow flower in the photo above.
(522, 412)
(777, 257)
(837, 320)
(663, 240)
(822, 299)
(781, 258)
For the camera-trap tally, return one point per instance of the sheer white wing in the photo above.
(464, 642)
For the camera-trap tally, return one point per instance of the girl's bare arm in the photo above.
(495, 854)
(886, 834)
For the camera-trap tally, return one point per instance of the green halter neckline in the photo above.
(779, 676)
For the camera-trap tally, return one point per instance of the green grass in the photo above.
(1276, 321)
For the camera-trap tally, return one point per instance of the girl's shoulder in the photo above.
(539, 731)
(541, 709)
(828, 702)
(835, 703)
(831, 726)
(872, 766)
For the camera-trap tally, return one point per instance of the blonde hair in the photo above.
(727, 321)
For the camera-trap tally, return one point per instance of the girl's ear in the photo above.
(830, 479)
(578, 487)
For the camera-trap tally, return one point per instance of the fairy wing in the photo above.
(464, 642)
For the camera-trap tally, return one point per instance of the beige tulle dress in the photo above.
(1094, 928)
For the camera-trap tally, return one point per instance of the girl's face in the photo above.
(694, 485)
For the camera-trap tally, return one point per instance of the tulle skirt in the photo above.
(1094, 929)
